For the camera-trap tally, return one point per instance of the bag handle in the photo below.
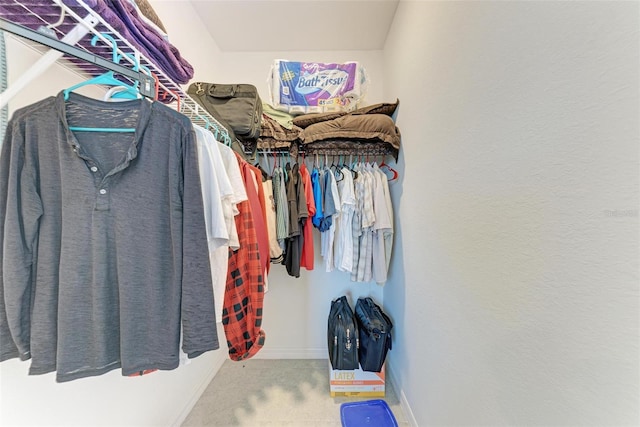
(222, 91)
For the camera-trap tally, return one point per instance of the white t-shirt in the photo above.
(383, 227)
(343, 254)
(216, 207)
(230, 162)
(217, 234)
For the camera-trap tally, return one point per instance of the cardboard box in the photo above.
(356, 383)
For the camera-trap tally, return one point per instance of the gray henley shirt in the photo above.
(104, 249)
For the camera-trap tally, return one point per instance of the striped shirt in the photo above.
(356, 225)
(282, 208)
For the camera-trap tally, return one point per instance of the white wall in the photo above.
(158, 399)
(514, 281)
(190, 35)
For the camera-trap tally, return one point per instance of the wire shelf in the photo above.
(37, 15)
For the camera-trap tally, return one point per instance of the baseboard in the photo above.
(197, 392)
(289, 353)
(411, 419)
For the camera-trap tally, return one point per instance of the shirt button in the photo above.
(94, 169)
(103, 191)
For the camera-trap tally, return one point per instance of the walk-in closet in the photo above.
(476, 189)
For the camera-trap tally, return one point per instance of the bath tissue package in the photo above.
(316, 87)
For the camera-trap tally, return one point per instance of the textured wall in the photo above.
(515, 277)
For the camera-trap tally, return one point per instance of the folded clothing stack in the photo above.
(369, 129)
(123, 17)
(274, 136)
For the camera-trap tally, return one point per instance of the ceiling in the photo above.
(297, 25)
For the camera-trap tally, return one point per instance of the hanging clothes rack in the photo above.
(358, 151)
(74, 24)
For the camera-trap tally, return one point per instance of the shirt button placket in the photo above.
(103, 197)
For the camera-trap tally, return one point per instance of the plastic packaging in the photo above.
(316, 87)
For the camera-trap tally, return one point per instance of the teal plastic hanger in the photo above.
(126, 92)
(107, 79)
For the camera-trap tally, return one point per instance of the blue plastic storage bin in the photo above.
(367, 414)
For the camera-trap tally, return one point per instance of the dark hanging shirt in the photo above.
(104, 243)
(298, 214)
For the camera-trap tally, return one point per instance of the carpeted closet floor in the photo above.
(282, 393)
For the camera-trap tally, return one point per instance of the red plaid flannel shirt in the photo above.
(244, 292)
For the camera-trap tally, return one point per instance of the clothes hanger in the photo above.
(226, 137)
(122, 91)
(268, 163)
(208, 126)
(107, 79)
(169, 100)
(211, 127)
(257, 164)
(386, 168)
(353, 165)
(337, 171)
(286, 175)
(113, 92)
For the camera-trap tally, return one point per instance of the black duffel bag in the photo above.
(375, 334)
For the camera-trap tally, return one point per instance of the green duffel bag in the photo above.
(235, 105)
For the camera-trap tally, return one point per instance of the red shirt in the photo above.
(261, 223)
(306, 260)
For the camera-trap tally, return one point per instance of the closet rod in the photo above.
(346, 152)
(147, 84)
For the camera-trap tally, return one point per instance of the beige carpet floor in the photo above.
(282, 393)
